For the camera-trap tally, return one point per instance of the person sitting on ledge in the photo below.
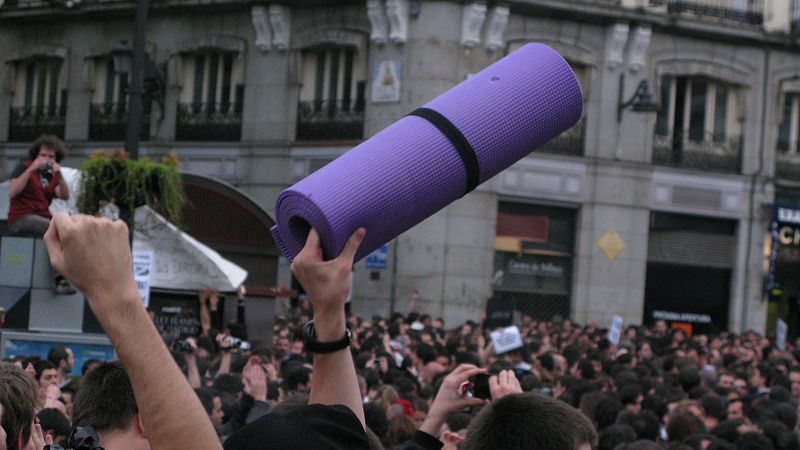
(33, 185)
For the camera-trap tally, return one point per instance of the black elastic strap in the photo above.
(458, 140)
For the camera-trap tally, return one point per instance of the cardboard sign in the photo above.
(780, 335)
(499, 312)
(615, 332)
(142, 267)
(506, 339)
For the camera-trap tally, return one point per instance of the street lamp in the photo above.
(137, 81)
(642, 100)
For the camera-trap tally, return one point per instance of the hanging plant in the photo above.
(111, 177)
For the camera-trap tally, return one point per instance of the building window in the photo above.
(212, 98)
(697, 125)
(533, 259)
(570, 142)
(790, 124)
(332, 98)
(108, 116)
(39, 104)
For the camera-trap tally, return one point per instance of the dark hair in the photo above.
(57, 354)
(683, 425)
(206, 396)
(647, 425)
(297, 376)
(426, 353)
(18, 396)
(88, 364)
(53, 419)
(515, 421)
(615, 435)
(42, 365)
(629, 394)
(105, 400)
(458, 421)
(605, 413)
(753, 441)
(50, 141)
(375, 417)
(713, 406)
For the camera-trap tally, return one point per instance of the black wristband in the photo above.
(314, 346)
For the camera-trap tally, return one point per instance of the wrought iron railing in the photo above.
(787, 165)
(209, 122)
(714, 153)
(109, 122)
(752, 11)
(29, 122)
(570, 142)
(322, 120)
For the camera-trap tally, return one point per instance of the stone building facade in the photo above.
(631, 213)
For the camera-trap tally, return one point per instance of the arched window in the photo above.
(332, 94)
(40, 99)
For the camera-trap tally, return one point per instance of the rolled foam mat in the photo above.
(432, 157)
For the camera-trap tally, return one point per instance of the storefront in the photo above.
(533, 258)
(782, 264)
(689, 262)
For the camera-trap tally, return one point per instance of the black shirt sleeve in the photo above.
(18, 170)
(422, 441)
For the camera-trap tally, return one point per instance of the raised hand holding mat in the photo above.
(433, 156)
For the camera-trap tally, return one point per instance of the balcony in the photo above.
(29, 122)
(715, 153)
(569, 142)
(330, 120)
(109, 122)
(209, 122)
(750, 11)
(787, 166)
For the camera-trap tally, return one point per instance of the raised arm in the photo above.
(327, 284)
(93, 254)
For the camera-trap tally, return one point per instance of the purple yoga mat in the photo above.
(410, 170)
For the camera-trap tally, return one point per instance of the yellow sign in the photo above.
(611, 244)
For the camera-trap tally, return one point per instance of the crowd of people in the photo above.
(409, 381)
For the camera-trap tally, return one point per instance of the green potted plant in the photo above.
(110, 179)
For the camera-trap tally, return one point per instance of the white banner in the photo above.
(181, 261)
(780, 335)
(615, 332)
(142, 267)
(506, 339)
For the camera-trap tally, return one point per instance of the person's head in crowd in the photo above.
(228, 383)
(401, 429)
(647, 426)
(105, 402)
(212, 403)
(63, 359)
(714, 409)
(89, 365)
(18, 400)
(728, 430)
(615, 435)
(681, 426)
(754, 441)
(631, 397)
(660, 328)
(700, 441)
(55, 424)
(725, 381)
(794, 381)
(606, 411)
(298, 379)
(67, 398)
(735, 409)
(376, 420)
(46, 376)
(522, 420)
